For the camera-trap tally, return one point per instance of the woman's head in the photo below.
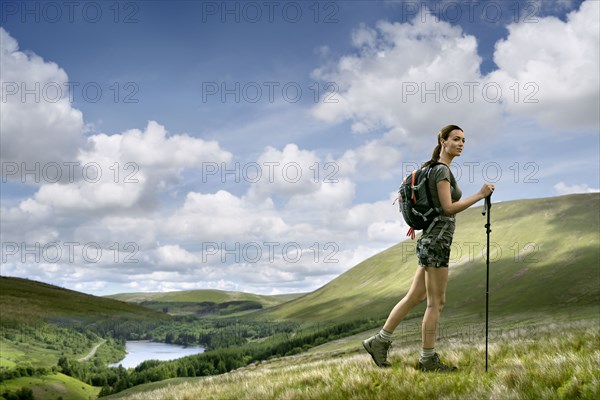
(444, 135)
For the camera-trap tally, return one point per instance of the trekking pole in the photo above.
(486, 209)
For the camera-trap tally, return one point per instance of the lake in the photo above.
(140, 351)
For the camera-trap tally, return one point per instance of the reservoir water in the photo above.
(140, 351)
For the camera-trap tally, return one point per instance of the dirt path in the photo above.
(93, 351)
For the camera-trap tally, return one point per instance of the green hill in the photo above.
(24, 300)
(545, 257)
(205, 301)
(40, 323)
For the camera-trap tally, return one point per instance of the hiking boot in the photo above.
(434, 364)
(378, 349)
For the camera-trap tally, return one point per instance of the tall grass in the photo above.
(561, 362)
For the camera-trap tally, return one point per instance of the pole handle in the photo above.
(487, 205)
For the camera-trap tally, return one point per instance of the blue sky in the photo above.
(364, 56)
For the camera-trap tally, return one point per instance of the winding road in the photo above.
(91, 354)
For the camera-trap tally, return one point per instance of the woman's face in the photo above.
(455, 143)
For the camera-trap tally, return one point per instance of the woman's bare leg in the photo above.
(416, 294)
(436, 281)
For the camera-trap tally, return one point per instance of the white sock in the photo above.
(385, 335)
(427, 354)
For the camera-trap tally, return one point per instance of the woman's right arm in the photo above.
(451, 208)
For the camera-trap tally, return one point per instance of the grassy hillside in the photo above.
(545, 257)
(26, 301)
(41, 323)
(559, 362)
(53, 386)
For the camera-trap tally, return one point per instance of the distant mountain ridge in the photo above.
(203, 295)
(204, 301)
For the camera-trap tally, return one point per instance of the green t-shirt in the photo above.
(439, 173)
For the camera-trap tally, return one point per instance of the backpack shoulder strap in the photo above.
(427, 172)
(427, 190)
(452, 179)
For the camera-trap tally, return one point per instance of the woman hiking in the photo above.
(433, 252)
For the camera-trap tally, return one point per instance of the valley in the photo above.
(544, 294)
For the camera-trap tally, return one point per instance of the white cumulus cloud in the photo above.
(550, 69)
(37, 125)
(430, 73)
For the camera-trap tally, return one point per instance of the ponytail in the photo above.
(443, 134)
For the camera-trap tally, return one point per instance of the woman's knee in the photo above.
(436, 302)
(417, 298)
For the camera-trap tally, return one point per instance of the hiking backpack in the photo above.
(416, 204)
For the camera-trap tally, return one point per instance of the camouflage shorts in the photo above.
(433, 250)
